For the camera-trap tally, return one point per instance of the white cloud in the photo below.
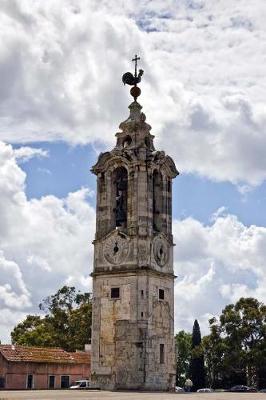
(222, 211)
(203, 87)
(9, 318)
(44, 242)
(204, 94)
(216, 264)
(13, 291)
(25, 153)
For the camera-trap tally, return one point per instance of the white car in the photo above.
(204, 390)
(178, 389)
(81, 384)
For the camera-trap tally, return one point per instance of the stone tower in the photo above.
(133, 279)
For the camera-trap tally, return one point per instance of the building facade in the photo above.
(133, 278)
(24, 367)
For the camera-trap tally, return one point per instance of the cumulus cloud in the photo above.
(25, 153)
(44, 242)
(216, 264)
(203, 93)
(13, 291)
(204, 60)
(9, 318)
(61, 75)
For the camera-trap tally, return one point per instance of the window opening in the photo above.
(161, 294)
(161, 353)
(157, 201)
(120, 181)
(127, 141)
(2, 382)
(142, 293)
(115, 293)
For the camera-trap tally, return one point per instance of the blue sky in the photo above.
(68, 168)
(61, 103)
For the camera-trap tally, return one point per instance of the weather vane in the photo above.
(132, 80)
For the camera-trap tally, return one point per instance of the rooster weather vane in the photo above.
(132, 80)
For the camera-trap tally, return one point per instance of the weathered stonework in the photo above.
(133, 279)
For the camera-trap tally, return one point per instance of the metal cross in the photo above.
(136, 63)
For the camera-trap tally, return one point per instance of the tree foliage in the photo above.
(196, 370)
(66, 324)
(235, 350)
(183, 342)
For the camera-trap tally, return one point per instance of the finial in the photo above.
(132, 80)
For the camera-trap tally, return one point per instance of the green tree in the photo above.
(183, 354)
(197, 371)
(67, 322)
(214, 350)
(238, 340)
(33, 331)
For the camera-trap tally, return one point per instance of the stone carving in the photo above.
(160, 250)
(143, 253)
(116, 249)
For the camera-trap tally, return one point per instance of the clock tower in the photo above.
(133, 278)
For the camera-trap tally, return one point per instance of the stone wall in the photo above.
(127, 332)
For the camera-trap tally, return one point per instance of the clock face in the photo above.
(116, 249)
(160, 251)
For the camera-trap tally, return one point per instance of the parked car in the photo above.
(252, 389)
(81, 384)
(179, 389)
(242, 388)
(262, 390)
(204, 390)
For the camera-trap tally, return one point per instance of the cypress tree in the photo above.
(197, 371)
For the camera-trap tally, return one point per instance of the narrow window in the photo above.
(161, 294)
(120, 187)
(142, 293)
(161, 353)
(30, 381)
(115, 293)
(157, 200)
(141, 314)
(64, 381)
(51, 382)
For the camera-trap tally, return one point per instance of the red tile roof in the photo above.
(43, 355)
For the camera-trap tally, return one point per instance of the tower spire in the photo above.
(136, 59)
(129, 79)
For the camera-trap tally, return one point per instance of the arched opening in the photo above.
(127, 142)
(157, 200)
(120, 186)
(101, 222)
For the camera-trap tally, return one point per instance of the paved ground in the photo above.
(98, 395)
